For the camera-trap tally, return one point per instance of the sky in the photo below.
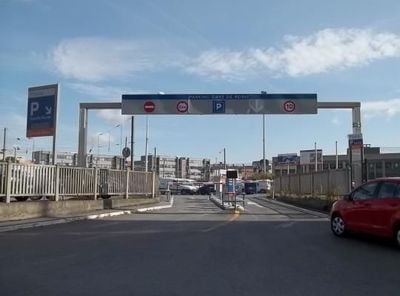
(98, 50)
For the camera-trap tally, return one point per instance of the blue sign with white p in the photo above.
(218, 106)
(42, 111)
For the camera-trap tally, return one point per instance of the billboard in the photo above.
(186, 104)
(42, 111)
(288, 158)
(308, 156)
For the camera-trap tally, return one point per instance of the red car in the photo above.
(372, 208)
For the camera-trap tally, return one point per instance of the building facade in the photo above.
(176, 167)
(71, 159)
(375, 164)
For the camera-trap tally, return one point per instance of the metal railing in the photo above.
(331, 183)
(36, 181)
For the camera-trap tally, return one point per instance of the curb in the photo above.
(60, 221)
(142, 210)
(55, 221)
(295, 207)
(218, 203)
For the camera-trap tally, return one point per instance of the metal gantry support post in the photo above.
(83, 125)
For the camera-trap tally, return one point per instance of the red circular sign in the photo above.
(149, 106)
(289, 106)
(182, 106)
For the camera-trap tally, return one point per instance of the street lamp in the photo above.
(15, 152)
(98, 146)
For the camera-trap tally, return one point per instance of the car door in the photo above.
(358, 213)
(386, 206)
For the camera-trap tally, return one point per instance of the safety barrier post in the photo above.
(8, 188)
(153, 187)
(95, 183)
(57, 183)
(127, 183)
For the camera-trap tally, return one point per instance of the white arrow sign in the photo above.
(256, 107)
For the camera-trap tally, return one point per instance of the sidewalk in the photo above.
(142, 205)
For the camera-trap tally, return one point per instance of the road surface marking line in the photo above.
(254, 204)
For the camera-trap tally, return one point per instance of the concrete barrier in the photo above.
(115, 203)
(27, 210)
(39, 209)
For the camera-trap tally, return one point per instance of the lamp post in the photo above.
(98, 147)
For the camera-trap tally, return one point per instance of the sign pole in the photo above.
(54, 160)
(264, 161)
(4, 143)
(132, 143)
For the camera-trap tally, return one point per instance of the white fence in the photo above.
(36, 181)
(330, 183)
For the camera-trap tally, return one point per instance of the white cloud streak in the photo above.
(387, 109)
(324, 51)
(97, 59)
(112, 116)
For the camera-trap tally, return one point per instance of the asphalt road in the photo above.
(194, 248)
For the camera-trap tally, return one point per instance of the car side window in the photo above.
(397, 193)
(366, 191)
(388, 190)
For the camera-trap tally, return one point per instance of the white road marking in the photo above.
(254, 204)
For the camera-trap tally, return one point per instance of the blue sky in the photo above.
(97, 50)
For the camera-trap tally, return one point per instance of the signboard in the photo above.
(308, 156)
(126, 152)
(289, 158)
(219, 104)
(355, 141)
(42, 111)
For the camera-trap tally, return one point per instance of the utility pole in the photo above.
(146, 145)
(337, 157)
(264, 161)
(154, 160)
(316, 157)
(132, 143)
(224, 158)
(4, 143)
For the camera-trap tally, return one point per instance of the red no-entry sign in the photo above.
(149, 106)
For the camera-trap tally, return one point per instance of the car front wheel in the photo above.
(338, 226)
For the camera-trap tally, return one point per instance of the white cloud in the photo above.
(101, 93)
(96, 59)
(387, 109)
(222, 64)
(326, 50)
(101, 139)
(336, 121)
(112, 116)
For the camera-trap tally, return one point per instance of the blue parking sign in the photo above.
(218, 106)
(42, 111)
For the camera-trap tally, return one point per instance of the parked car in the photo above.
(251, 187)
(207, 189)
(372, 208)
